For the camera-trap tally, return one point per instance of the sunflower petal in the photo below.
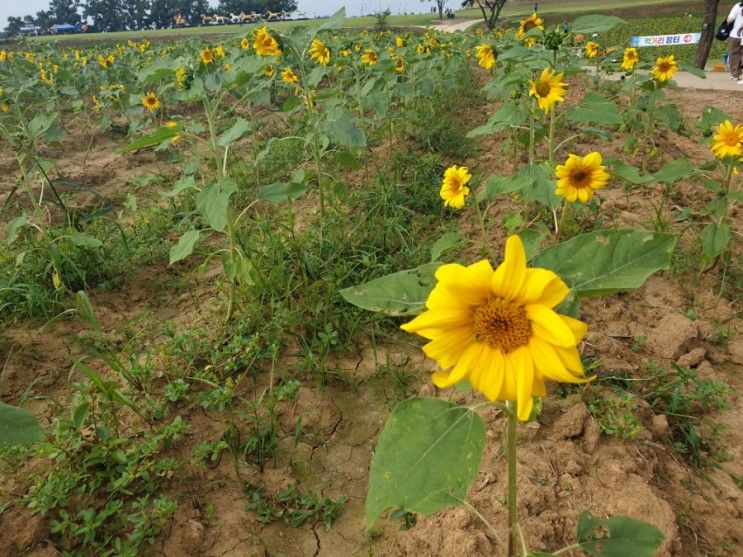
(509, 276)
(462, 369)
(439, 319)
(577, 326)
(449, 347)
(523, 366)
(547, 325)
(548, 363)
(544, 287)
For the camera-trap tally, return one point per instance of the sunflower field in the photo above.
(321, 291)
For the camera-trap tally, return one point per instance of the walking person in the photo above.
(736, 42)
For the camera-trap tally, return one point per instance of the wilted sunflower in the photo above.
(526, 25)
(580, 176)
(727, 140)
(592, 49)
(150, 101)
(485, 56)
(369, 57)
(548, 89)
(269, 71)
(319, 52)
(206, 56)
(264, 43)
(454, 187)
(630, 59)
(665, 68)
(288, 75)
(498, 329)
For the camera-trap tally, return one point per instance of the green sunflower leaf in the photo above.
(606, 261)
(401, 293)
(18, 426)
(595, 109)
(617, 536)
(427, 457)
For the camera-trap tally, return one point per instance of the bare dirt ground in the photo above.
(565, 464)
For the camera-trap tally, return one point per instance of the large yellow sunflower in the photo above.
(369, 58)
(630, 59)
(665, 68)
(319, 52)
(206, 56)
(580, 176)
(454, 187)
(150, 101)
(727, 140)
(548, 89)
(592, 49)
(526, 25)
(264, 43)
(498, 329)
(485, 56)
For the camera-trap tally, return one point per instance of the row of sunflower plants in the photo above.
(502, 332)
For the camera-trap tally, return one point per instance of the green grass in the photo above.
(546, 7)
(216, 30)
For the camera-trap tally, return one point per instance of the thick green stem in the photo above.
(531, 136)
(481, 218)
(212, 135)
(564, 217)
(551, 144)
(511, 501)
(725, 192)
(231, 255)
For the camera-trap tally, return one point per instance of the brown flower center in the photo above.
(529, 25)
(502, 324)
(543, 89)
(664, 67)
(580, 178)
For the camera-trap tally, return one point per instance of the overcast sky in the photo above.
(309, 7)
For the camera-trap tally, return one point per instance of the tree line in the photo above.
(122, 15)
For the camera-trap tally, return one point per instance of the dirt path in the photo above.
(450, 26)
(716, 81)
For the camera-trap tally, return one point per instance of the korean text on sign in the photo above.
(666, 40)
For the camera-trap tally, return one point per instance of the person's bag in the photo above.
(723, 31)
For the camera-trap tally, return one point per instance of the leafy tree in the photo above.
(135, 14)
(44, 19)
(107, 15)
(237, 6)
(440, 7)
(490, 9)
(14, 25)
(64, 11)
(287, 6)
